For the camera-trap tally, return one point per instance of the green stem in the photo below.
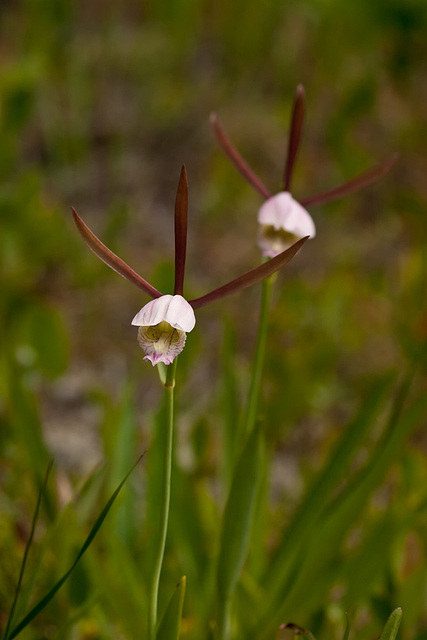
(255, 388)
(168, 385)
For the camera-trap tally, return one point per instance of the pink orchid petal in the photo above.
(282, 211)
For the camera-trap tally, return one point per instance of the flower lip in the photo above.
(161, 343)
(283, 212)
(174, 310)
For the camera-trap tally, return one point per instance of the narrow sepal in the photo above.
(110, 258)
(181, 213)
(359, 182)
(235, 157)
(297, 121)
(251, 277)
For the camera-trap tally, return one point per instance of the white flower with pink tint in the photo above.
(282, 222)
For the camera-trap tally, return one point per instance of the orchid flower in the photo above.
(164, 322)
(283, 219)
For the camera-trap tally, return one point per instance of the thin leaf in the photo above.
(238, 516)
(251, 277)
(235, 157)
(171, 621)
(392, 625)
(48, 597)
(314, 564)
(27, 549)
(359, 182)
(325, 483)
(181, 214)
(297, 121)
(230, 405)
(372, 559)
(114, 262)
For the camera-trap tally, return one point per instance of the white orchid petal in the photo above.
(284, 213)
(174, 310)
(282, 221)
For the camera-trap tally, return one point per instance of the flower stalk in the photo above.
(169, 386)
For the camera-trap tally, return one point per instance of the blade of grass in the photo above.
(326, 482)
(399, 427)
(373, 557)
(237, 525)
(48, 597)
(26, 552)
(339, 515)
(171, 621)
(63, 522)
(229, 403)
(392, 625)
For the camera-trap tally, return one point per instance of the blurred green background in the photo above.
(100, 104)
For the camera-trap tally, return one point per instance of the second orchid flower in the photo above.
(282, 219)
